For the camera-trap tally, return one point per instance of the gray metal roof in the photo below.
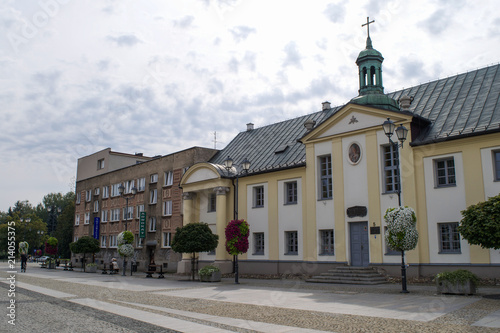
(460, 105)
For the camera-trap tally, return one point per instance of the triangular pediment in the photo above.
(351, 119)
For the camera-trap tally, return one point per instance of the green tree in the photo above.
(480, 224)
(31, 229)
(193, 238)
(64, 230)
(84, 245)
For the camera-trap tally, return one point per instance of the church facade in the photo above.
(317, 187)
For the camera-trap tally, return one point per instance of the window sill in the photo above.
(449, 252)
(325, 199)
(445, 186)
(392, 254)
(291, 254)
(256, 207)
(289, 203)
(326, 254)
(258, 254)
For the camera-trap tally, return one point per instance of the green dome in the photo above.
(369, 53)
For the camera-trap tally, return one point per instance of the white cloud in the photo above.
(160, 76)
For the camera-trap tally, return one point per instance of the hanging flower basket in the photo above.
(23, 247)
(237, 232)
(126, 250)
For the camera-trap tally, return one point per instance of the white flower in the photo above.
(401, 234)
(126, 250)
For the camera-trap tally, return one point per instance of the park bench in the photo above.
(68, 266)
(152, 269)
(43, 264)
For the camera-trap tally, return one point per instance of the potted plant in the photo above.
(461, 282)
(210, 273)
(91, 268)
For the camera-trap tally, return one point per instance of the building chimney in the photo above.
(405, 102)
(309, 124)
(249, 127)
(326, 105)
(139, 154)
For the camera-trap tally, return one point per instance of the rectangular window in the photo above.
(258, 241)
(78, 197)
(87, 218)
(100, 164)
(292, 243)
(153, 197)
(138, 241)
(212, 202)
(88, 195)
(496, 165)
(391, 178)
(291, 193)
(105, 192)
(449, 238)
(113, 241)
(169, 178)
(130, 214)
(166, 239)
(96, 191)
(258, 196)
(104, 241)
(96, 206)
(77, 219)
(445, 172)
(141, 184)
(167, 208)
(140, 208)
(325, 173)
(114, 190)
(115, 215)
(129, 184)
(153, 178)
(152, 224)
(104, 216)
(327, 242)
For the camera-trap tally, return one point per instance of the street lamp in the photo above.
(53, 219)
(401, 133)
(26, 222)
(245, 166)
(121, 190)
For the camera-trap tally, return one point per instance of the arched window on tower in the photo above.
(373, 76)
(364, 83)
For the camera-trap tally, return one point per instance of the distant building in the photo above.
(105, 161)
(158, 195)
(319, 185)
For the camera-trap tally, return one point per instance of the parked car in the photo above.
(43, 258)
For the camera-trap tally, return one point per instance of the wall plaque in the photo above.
(357, 211)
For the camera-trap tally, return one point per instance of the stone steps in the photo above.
(350, 275)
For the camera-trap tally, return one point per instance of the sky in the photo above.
(158, 76)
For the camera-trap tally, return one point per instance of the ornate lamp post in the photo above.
(26, 222)
(121, 190)
(245, 166)
(401, 133)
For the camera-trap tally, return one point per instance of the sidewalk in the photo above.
(268, 305)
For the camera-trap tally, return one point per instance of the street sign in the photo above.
(142, 225)
(97, 224)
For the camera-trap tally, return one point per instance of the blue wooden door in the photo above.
(359, 244)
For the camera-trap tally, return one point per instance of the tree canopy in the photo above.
(480, 224)
(194, 237)
(85, 244)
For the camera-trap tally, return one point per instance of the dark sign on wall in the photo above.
(357, 211)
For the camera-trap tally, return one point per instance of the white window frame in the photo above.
(169, 178)
(141, 184)
(291, 192)
(115, 214)
(166, 240)
(96, 191)
(258, 196)
(139, 209)
(77, 219)
(449, 176)
(153, 196)
(78, 198)
(88, 195)
(87, 218)
(153, 178)
(138, 241)
(115, 192)
(390, 176)
(130, 214)
(129, 184)
(105, 192)
(167, 208)
(152, 224)
(100, 164)
(325, 173)
(96, 206)
(113, 241)
(104, 216)
(104, 241)
(453, 238)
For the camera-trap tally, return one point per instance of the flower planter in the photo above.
(214, 277)
(457, 288)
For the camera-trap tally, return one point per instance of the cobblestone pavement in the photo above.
(137, 304)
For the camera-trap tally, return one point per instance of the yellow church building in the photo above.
(315, 189)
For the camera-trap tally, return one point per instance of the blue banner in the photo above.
(97, 224)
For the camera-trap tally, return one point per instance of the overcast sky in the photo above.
(161, 76)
